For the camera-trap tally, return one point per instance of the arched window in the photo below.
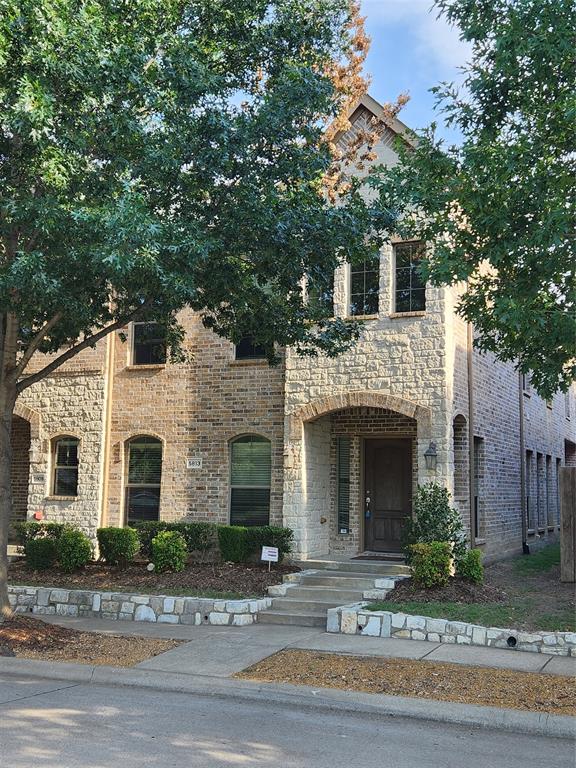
(65, 464)
(143, 480)
(251, 467)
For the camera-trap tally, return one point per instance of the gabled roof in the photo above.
(395, 125)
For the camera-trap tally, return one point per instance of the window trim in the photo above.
(132, 364)
(231, 442)
(398, 313)
(55, 466)
(127, 485)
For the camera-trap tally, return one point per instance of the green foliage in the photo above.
(169, 552)
(270, 536)
(74, 550)
(234, 543)
(200, 537)
(504, 197)
(118, 546)
(29, 530)
(538, 562)
(470, 566)
(430, 563)
(434, 520)
(41, 553)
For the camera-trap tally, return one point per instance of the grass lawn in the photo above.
(535, 597)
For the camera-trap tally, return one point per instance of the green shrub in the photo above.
(431, 563)
(434, 520)
(29, 530)
(169, 551)
(199, 536)
(41, 553)
(118, 546)
(270, 536)
(470, 566)
(74, 550)
(234, 543)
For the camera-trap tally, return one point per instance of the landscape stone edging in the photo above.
(355, 619)
(127, 606)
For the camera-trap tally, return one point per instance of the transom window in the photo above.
(148, 344)
(410, 287)
(247, 349)
(65, 462)
(250, 473)
(143, 481)
(365, 286)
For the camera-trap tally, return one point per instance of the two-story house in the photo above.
(333, 448)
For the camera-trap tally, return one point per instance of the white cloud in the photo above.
(438, 42)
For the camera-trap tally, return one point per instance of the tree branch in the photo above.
(33, 346)
(73, 351)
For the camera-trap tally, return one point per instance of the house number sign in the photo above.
(194, 463)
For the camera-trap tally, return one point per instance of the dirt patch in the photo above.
(28, 638)
(211, 580)
(419, 679)
(456, 591)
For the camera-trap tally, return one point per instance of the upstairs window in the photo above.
(144, 476)
(410, 287)
(365, 286)
(148, 344)
(247, 349)
(320, 293)
(250, 475)
(65, 462)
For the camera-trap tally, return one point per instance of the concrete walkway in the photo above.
(221, 651)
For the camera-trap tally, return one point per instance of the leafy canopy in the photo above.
(500, 208)
(157, 154)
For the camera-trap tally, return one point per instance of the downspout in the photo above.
(523, 509)
(470, 366)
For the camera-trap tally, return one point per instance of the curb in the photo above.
(304, 697)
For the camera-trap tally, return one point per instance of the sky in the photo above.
(412, 50)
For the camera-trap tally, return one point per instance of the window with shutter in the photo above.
(343, 479)
(143, 481)
(65, 463)
(250, 473)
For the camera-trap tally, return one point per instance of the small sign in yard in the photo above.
(269, 555)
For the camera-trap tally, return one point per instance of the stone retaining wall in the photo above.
(123, 606)
(358, 620)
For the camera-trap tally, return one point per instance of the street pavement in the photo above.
(65, 725)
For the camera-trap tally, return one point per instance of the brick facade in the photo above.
(407, 375)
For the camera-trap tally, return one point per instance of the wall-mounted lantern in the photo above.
(431, 456)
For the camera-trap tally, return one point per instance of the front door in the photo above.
(387, 493)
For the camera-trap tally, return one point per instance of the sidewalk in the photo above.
(222, 651)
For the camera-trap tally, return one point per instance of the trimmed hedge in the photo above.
(431, 563)
(199, 536)
(234, 544)
(41, 553)
(118, 546)
(74, 550)
(169, 551)
(239, 544)
(470, 566)
(30, 530)
(270, 536)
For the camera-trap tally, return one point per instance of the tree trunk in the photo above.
(7, 402)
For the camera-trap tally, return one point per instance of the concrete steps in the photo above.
(328, 585)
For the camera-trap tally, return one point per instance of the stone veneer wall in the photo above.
(123, 606)
(358, 620)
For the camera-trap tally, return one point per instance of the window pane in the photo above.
(320, 291)
(149, 344)
(142, 503)
(67, 453)
(251, 462)
(416, 278)
(402, 278)
(145, 461)
(365, 287)
(343, 470)
(250, 506)
(410, 287)
(66, 482)
(402, 301)
(418, 302)
(246, 349)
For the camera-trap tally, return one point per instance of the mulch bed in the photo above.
(35, 639)
(420, 679)
(250, 580)
(456, 591)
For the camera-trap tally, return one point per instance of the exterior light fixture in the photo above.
(430, 456)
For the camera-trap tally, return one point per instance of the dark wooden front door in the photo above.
(387, 493)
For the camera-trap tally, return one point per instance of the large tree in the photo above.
(158, 154)
(500, 206)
